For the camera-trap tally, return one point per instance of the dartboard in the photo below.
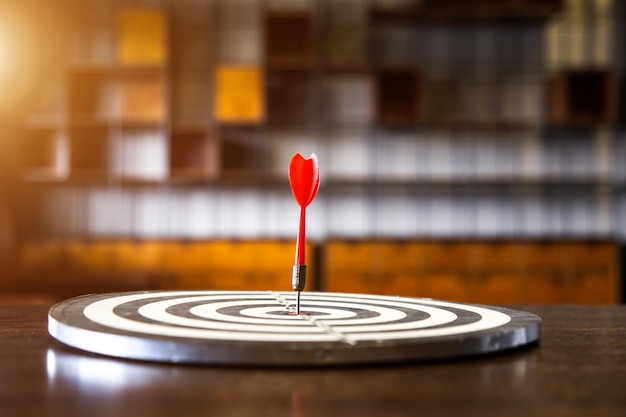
(262, 328)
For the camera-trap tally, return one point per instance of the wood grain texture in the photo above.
(579, 369)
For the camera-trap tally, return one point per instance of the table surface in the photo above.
(578, 369)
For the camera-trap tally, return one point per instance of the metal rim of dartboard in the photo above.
(259, 328)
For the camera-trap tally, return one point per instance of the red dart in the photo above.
(304, 178)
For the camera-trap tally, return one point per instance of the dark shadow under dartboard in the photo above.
(261, 328)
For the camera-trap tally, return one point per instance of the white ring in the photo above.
(102, 312)
(157, 311)
(264, 313)
(384, 315)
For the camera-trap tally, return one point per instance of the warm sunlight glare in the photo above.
(5, 61)
(3, 57)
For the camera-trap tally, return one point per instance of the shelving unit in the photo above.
(290, 99)
(460, 10)
(239, 97)
(488, 272)
(142, 37)
(469, 122)
(398, 98)
(344, 37)
(115, 120)
(194, 152)
(44, 153)
(194, 155)
(143, 97)
(90, 151)
(289, 40)
(286, 89)
(579, 98)
(242, 154)
(92, 95)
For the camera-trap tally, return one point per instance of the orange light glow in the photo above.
(12, 55)
(4, 58)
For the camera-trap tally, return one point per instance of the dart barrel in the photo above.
(298, 277)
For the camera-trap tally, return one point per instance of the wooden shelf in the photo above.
(89, 151)
(142, 37)
(103, 101)
(398, 98)
(191, 99)
(117, 115)
(142, 97)
(491, 9)
(579, 98)
(290, 98)
(441, 102)
(346, 51)
(462, 11)
(235, 264)
(243, 154)
(239, 97)
(91, 94)
(104, 94)
(289, 40)
(194, 155)
(44, 153)
(474, 270)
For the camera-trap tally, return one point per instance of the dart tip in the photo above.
(298, 302)
(298, 281)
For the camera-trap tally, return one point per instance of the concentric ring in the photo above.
(205, 326)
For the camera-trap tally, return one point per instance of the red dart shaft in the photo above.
(300, 245)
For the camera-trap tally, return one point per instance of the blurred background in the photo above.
(469, 150)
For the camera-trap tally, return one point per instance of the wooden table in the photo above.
(578, 369)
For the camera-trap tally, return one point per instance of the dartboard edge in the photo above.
(256, 328)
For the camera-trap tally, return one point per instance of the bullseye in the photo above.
(262, 314)
(246, 327)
